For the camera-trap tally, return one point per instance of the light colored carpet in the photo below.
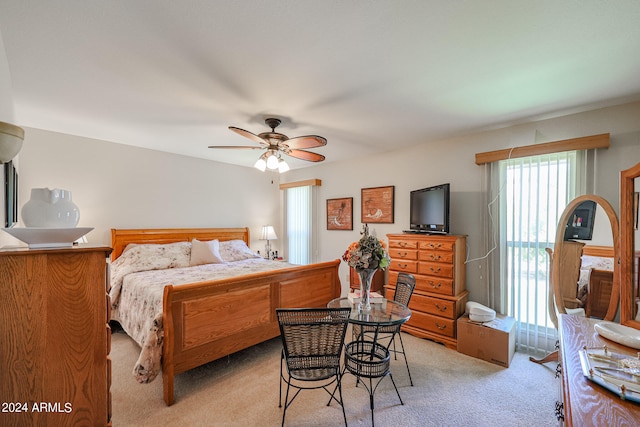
(450, 389)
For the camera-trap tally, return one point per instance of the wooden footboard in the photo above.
(206, 321)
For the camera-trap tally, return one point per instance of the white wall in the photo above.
(453, 160)
(119, 186)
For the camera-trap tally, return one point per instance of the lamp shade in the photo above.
(268, 233)
(10, 141)
(272, 161)
(283, 166)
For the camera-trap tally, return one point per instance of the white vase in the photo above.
(50, 208)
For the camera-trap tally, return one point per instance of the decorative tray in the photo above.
(46, 237)
(619, 373)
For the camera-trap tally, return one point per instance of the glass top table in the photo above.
(386, 313)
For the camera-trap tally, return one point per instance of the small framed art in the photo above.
(377, 205)
(340, 214)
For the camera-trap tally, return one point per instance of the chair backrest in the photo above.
(313, 332)
(405, 285)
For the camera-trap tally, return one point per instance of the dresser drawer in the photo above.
(436, 256)
(404, 265)
(437, 246)
(436, 285)
(435, 324)
(396, 253)
(403, 244)
(435, 269)
(432, 305)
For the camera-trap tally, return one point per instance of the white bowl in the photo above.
(45, 237)
(619, 333)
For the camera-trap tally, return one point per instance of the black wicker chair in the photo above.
(312, 343)
(405, 285)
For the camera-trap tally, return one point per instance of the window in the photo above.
(531, 185)
(300, 208)
(536, 191)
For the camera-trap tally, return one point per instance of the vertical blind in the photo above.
(299, 222)
(534, 192)
(538, 189)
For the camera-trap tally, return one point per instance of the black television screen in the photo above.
(580, 223)
(429, 209)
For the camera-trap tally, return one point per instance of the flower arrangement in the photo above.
(367, 253)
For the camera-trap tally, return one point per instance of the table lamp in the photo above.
(268, 233)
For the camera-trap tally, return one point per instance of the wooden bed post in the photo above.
(167, 347)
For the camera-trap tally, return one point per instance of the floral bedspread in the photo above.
(139, 299)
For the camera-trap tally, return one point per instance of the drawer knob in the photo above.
(403, 254)
(435, 258)
(403, 266)
(434, 270)
(441, 327)
(442, 309)
(435, 245)
(435, 285)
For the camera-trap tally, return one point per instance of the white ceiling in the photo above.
(370, 76)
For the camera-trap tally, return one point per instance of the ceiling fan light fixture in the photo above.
(261, 164)
(275, 144)
(283, 166)
(272, 161)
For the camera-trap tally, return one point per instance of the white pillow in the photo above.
(205, 252)
(236, 250)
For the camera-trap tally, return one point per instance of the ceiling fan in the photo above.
(275, 144)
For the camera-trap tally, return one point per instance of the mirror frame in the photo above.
(557, 251)
(627, 178)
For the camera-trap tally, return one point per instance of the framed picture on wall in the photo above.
(377, 205)
(10, 195)
(340, 214)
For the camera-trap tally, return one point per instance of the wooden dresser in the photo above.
(437, 262)
(54, 337)
(585, 403)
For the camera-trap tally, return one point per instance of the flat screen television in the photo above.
(580, 223)
(429, 210)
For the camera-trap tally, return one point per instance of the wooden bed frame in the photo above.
(209, 320)
(600, 284)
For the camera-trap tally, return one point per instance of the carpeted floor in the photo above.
(450, 389)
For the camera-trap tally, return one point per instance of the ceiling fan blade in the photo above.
(305, 155)
(243, 147)
(247, 134)
(307, 141)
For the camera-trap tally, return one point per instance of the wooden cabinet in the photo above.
(437, 263)
(54, 337)
(585, 403)
(377, 284)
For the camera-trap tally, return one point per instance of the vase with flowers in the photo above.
(366, 256)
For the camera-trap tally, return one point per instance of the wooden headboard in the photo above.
(601, 251)
(120, 238)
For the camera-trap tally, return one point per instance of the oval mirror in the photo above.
(586, 277)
